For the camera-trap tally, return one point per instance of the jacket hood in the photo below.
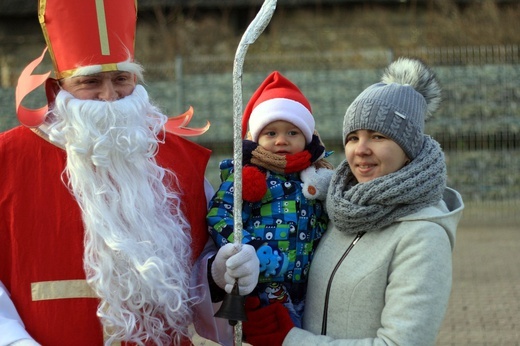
(447, 213)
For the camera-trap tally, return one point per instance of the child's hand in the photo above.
(267, 325)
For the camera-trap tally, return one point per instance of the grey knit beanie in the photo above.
(397, 107)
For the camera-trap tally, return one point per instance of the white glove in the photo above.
(25, 342)
(231, 263)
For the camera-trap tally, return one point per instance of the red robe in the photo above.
(41, 231)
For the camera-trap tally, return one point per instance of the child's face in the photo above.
(282, 138)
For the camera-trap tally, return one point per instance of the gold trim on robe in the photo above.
(63, 289)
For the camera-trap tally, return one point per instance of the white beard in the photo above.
(137, 252)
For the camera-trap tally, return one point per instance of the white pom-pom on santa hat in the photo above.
(277, 98)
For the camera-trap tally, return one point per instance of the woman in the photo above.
(382, 272)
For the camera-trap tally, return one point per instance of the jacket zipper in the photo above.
(329, 285)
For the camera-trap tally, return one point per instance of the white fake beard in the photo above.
(137, 252)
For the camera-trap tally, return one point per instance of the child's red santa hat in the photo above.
(277, 98)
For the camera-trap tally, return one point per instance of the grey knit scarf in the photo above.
(373, 205)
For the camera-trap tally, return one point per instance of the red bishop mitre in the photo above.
(88, 33)
(98, 34)
(78, 33)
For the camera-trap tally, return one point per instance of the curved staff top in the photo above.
(253, 31)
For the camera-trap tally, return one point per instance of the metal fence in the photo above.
(478, 124)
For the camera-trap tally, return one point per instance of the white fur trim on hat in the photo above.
(281, 109)
(126, 66)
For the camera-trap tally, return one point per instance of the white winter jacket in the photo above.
(390, 287)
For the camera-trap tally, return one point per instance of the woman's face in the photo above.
(371, 155)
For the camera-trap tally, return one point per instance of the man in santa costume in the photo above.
(102, 203)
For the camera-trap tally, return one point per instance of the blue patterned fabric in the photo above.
(284, 227)
(285, 221)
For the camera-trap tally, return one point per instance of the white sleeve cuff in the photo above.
(25, 342)
(11, 326)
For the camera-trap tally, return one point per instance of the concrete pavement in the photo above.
(485, 301)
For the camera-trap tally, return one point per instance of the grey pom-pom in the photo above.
(415, 73)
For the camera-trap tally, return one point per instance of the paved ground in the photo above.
(485, 302)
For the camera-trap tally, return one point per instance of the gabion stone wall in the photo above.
(478, 123)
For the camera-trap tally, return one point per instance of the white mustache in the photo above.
(129, 125)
